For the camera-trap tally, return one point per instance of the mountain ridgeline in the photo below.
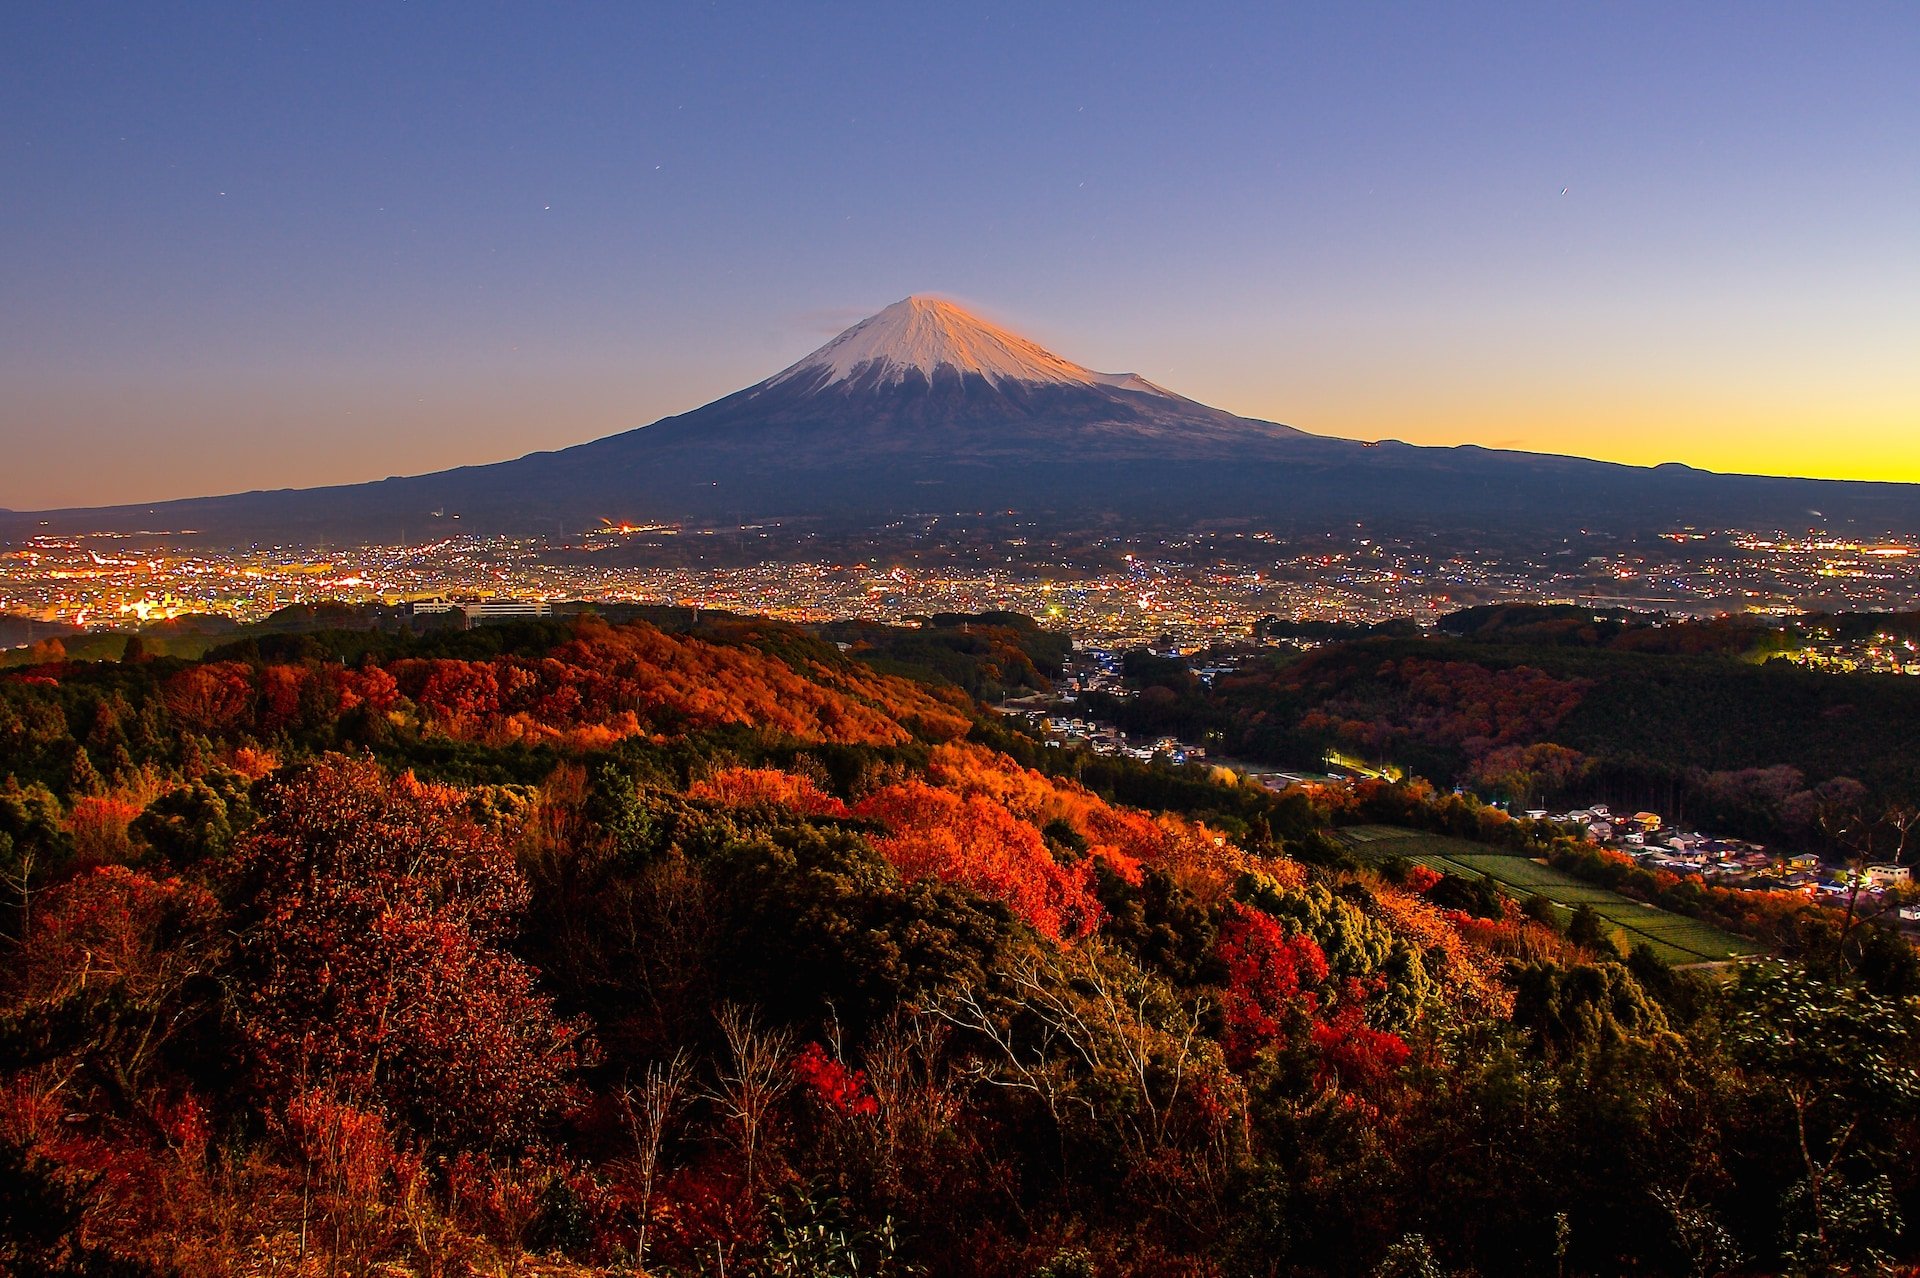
(924, 408)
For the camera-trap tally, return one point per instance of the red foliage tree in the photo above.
(608, 683)
(1361, 1059)
(112, 927)
(212, 697)
(1422, 877)
(373, 913)
(1452, 703)
(281, 688)
(1271, 981)
(371, 687)
(841, 1089)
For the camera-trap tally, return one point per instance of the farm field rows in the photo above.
(1675, 938)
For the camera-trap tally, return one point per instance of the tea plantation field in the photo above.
(1677, 939)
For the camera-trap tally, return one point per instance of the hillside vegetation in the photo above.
(715, 947)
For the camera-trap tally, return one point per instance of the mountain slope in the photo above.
(924, 408)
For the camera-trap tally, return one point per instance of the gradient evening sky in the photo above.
(272, 245)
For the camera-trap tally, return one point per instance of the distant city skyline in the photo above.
(253, 248)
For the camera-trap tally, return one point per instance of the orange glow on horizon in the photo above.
(1836, 451)
(1736, 435)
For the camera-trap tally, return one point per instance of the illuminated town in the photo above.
(1194, 588)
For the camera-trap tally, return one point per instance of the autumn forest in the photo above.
(725, 947)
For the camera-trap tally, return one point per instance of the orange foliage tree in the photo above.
(743, 787)
(978, 844)
(98, 823)
(1125, 838)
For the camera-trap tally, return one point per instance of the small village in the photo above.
(1724, 862)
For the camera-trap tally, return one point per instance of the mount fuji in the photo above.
(924, 408)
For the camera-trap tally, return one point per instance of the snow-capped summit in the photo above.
(925, 335)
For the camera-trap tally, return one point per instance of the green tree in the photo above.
(34, 847)
(1573, 1010)
(1842, 1063)
(1588, 930)
(198, 822)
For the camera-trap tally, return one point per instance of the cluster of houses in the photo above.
(1882, 654)
(1104, 738)
(1091, 670)
(1727, 862)
(1096, 670)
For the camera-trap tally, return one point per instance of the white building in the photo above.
(503, 609)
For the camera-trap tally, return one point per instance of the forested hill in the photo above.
(724, 945)
(1684, 720)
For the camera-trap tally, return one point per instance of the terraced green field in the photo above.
(1675, 938)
